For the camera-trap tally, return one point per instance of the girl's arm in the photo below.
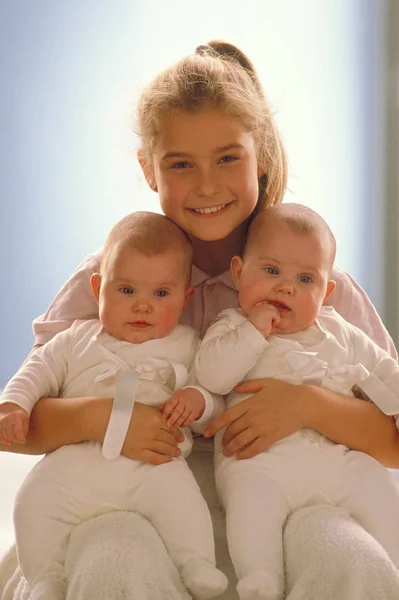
(57, 422)
(74, 301)
(279, 409)
(352, 303)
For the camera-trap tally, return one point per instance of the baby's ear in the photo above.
(95, 284)
(236, 265)
(148, 170)
(189, 294)
(331, 285)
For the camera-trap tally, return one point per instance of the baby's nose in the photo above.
(142, 305)
(286, 286)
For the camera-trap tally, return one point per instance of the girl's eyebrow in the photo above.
(230, 147)
(217, 151)
(175, 155)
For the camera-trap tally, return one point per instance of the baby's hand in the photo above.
(264, 317)
(184, 407)
(14, 424)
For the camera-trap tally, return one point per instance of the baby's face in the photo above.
(142, 297)
(289, 270)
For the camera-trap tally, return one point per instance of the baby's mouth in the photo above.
(139, 324)
(281, 306)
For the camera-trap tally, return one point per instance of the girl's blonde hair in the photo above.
(220, 76)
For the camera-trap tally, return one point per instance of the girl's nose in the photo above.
(206, 183)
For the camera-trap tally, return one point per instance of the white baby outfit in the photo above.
(305, 468)
(75, 482)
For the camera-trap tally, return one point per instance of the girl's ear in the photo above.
(331, 285)
(261, 172)
(95, 284)
(147, 170)
(236, 269)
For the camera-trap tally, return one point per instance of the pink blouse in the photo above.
(212, 294)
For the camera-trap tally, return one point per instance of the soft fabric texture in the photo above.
(119, 556)
(86, 357)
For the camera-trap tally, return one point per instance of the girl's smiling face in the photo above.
(205, 171)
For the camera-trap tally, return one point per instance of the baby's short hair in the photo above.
(297, 216)
(151, 234)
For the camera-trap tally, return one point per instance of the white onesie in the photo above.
(305, 468)
(75, 482)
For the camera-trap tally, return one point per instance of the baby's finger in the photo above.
(183, 417)
(175, 416)
(169, 407)
(189, 418)
(4, 439)
(18, 433)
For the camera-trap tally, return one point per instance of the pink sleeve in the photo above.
(352, 303)
(74, 301)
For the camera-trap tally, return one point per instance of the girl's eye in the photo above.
(228, 158)
(161, 293)
(126, 290)
(183, 164)
(271, 270)
(305, 279)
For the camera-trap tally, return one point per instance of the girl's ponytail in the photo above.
(228, 51)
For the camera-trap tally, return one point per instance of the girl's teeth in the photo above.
(207, 211)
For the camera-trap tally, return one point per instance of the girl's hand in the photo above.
(14, 424)
(149, 438)
(184, 407)
(276, 410)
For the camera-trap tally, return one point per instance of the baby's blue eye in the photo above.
(305, 279)
(161, 293)
(126, 290)
(271, 270)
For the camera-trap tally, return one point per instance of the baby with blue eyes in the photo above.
(142, 288)
(284, 329)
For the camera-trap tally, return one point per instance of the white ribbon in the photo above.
(126, 386)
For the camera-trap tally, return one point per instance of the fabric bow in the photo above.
(163, 372)
(307, 366)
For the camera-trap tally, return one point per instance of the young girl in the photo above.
(210, 148)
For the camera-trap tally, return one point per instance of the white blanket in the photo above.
(106, 555)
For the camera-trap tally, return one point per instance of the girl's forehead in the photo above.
(209, 126)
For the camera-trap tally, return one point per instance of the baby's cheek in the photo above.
(169, 317)
(251, 294)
